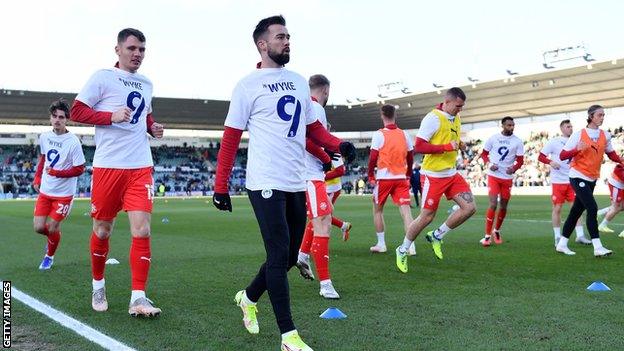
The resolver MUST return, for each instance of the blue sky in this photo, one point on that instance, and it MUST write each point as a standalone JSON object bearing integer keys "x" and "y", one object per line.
{"x": 200, "y": 49}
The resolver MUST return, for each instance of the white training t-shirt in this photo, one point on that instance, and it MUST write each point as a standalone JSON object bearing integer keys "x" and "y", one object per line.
{"x": 503, "y": 151}
{"x": 274, "y": 105}
{"x": 120, "y": 145}
{"x": 61, "y": 152}
{"x": 314, "y": 166}
{"x": 377, "y": 143}
{"x": 552, "y": 149}
{"x": 573, "y": 141}
{"x": 428, "y": 127}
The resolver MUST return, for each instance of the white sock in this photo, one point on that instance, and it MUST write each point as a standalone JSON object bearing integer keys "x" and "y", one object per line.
{"x": 98, "y": 284}
{"x": 406, "y": 245}
{"x": 603, "y": 211}
{"x": 326, "y": 281}
{"x": 381, "y": 241}
{"x": 597, "y": 243}
{"x": 580, "y": 232}
{"x": 441, "y": 231}
{"x": 604, "y": 222}
{"x": 344, "y": 226}
{"x": 50, "y": 257}
{"x": 563, "y": 242}
{"x": 246, "y": 300}
{"x": 137, "y": 294}
{"x": 557, "y": 231}
{"x": 287, "y": 334}
{"x": 303, "y": 256}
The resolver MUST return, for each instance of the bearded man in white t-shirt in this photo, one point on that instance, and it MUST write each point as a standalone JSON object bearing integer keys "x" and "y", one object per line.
{"x": 274, "y": 105}
{"x": 118, "y": 101}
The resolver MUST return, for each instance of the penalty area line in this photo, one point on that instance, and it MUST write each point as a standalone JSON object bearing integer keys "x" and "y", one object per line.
{"x": 68, "y": 322}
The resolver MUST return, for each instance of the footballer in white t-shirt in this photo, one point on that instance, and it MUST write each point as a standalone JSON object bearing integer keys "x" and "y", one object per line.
{"x": 118, "y": 101}
{"x": 61, "y": 161}
{"x": 560, "y": 181}
{"x": 504, "y": 154}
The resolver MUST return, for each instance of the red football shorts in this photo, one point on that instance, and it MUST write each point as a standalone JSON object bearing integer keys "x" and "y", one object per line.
{"x": 562, "y": 193}
{"x": 397, "y": 188}
{"x": 617, "y": 194}
{"x": 433, "y": 188}
{"x": 499, "y": 186}
{"x": 317, "y": 201}
{"x": 113, "y": 190}
{"x": 57, "y": 208}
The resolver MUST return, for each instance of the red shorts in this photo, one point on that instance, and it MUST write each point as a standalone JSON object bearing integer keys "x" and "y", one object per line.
{"x": 433, "y": 188}
{"x": 317, "y": 201}
{"x": 57, "y": 208}
{"x": 617, "y": 194}
{"x": 397, "y": 188}
{"x": 499, "y": 186}
{"x": 113, "y": 190}
{"x": 562, "y": 193}
{"x": 334, "y": 196}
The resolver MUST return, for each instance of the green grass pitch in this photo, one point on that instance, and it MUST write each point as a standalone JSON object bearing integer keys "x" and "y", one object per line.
{"x": 516, "y": 296}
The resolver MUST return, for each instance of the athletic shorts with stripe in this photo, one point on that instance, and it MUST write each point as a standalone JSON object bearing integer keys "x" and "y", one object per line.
{"x": 57, "y": 208}
{"x": 113, "y": 190}
{"x": 433, "y": 188}
{"x": 317, "y": 200}
{"x": 397, "y": 188}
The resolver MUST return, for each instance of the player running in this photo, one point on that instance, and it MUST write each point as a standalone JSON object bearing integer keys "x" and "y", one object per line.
{"x": 586, "y": 148}
{"x": 560, "y": 181}
{"x": 274, "y": 105}
{"x": 504, "y": 152}
{"x": 439, "y": 139}
{"x": 392, "y": 155}
{"x": 118, "y": 101}
{"x": 62, "y": 157}
{"x": 616, "y": 192}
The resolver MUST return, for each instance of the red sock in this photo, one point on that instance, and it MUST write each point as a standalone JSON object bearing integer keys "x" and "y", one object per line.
{"x": 320, "y": 252}
{"x": 53, "y": 241}
{"x": 140, "y": 259}
{"x": 500, "y": 218}
{"x": 337, "y": 222}
{"x": 99, "y": 251}
{"x": 308, "y": 236}
{"x": 489, "y": 220}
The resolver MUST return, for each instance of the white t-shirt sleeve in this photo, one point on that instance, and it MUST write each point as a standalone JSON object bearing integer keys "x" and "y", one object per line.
{"x": 520, "y": 148}
{"x": 488, "y": 144}
{"x": 572, "y": 141}
{"x": 91, "y": 93}
{"x": 609, "y": 146}
{"x": 548, "y": 148}
{"x": 308, "y": 109}
{"x": 240, "y": 108}
{"x": 428, "y": 127}
{"x": 410, "y": 143}
{"x": 40, "y": 144}
{"x": 78, "y": 158}
{"x": 377, "y": 141}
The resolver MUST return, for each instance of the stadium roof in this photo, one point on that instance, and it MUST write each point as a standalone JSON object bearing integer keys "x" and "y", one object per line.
{"x": 557, "y": 91}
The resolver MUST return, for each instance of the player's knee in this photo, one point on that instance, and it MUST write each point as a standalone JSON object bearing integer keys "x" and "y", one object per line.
{"x": 39, "y": 228}
{"x": 53, "y": 226}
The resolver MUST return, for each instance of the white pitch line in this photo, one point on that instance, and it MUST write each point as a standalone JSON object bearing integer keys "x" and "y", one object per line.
{"x": 80, "y": 328}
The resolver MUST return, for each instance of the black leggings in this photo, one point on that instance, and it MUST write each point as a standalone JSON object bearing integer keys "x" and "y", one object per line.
{"x": 584, "y": 201}
{"x": 282, "y": 219}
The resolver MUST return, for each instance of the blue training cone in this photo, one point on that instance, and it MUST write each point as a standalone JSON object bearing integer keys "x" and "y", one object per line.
{"x": 333, "y": 313}
{"x": 165, "y": 220}
{"x": 598, "y": 286}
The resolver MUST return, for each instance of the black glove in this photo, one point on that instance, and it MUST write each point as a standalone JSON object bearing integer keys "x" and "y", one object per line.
{"x": 222, "y": 201}
{"x": 327, "y": 166}
{"x": 335, "y": 156}
{"x": 348, "y": 151}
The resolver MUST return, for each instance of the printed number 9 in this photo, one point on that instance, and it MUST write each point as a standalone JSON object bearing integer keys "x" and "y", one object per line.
{"x": 130, "y": 103}
{"x": 281, "y": 112}
{"x": 53, "y": 156}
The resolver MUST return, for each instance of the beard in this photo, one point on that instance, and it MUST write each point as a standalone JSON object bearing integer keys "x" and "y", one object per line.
{"x": 279, "y": 58}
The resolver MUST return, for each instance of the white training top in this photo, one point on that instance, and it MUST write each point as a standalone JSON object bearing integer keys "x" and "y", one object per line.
{"x": 120, "y": 145}
{"x": 314, "y": 166}
{"x": 573, "y": 141}
{"x": 428, "y": 127}
{"x": 274, "y": 105}
{"x": 377, "y": 143}
{"x": 61, "y": 152}
{"x": 552, "y": 149}
{"x": 502, "y": 152}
